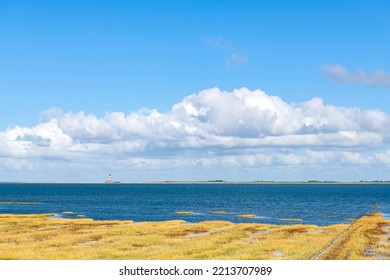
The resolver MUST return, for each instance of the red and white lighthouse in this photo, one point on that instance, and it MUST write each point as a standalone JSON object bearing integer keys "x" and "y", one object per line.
{"x": 109, "y": 178}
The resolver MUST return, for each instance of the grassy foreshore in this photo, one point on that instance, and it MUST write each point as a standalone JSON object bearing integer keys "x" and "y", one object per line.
{"x": 44, "y": 237}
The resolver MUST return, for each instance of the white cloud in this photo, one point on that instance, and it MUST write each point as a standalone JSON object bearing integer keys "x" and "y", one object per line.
{"x": 338, "y": 73}
{"x": 237, "y": 59}
{"x": 212, "y": 129}
{"x": 383, "y": 157}
{"x": 218, "y": 42}
{"x": 234, "y": 57}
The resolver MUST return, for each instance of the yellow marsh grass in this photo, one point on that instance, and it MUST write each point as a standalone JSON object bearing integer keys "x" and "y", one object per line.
{"x": 290, "y": 220}
{"x": 367, "y": 238}
{"x": 247, "y": 216}
{"x": 184, "y": 212}
{"x": 43, "y": 237}
{"x": 16, "y": 202}
{"x": 220, "y": 213}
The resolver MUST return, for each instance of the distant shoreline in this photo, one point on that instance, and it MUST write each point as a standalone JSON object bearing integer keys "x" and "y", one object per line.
{"x": 212, "y": 182}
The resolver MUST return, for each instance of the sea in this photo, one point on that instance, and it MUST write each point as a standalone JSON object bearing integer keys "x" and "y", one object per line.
{"x": 320, "y": 204}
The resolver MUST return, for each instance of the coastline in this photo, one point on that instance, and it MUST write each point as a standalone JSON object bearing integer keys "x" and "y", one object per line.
{"x": 212, "y": 182}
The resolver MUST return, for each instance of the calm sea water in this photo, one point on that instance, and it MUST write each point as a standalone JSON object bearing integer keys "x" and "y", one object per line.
{"x": 314, "y": 204}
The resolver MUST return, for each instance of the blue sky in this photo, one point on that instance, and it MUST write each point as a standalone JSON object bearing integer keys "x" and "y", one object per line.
{"x": 102, "y": 57}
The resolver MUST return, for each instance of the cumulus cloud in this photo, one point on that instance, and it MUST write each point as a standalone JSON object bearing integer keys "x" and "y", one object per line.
{"x": 338, "y": 73}
{"x": 213, "y": 128}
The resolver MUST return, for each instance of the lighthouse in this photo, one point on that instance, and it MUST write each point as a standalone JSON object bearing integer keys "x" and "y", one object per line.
{"x": 109, "y": 180}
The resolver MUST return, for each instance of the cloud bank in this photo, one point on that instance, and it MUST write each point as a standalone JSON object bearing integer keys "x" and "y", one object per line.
{"x": 242, "y": 129}
{"x": 338, "y": 73}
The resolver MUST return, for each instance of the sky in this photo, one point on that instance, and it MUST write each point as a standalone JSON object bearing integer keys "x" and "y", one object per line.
{"x": 194, "y": 90}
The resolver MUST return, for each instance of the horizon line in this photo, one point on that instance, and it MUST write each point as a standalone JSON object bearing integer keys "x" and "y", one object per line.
{"x": 259, "y": 182}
